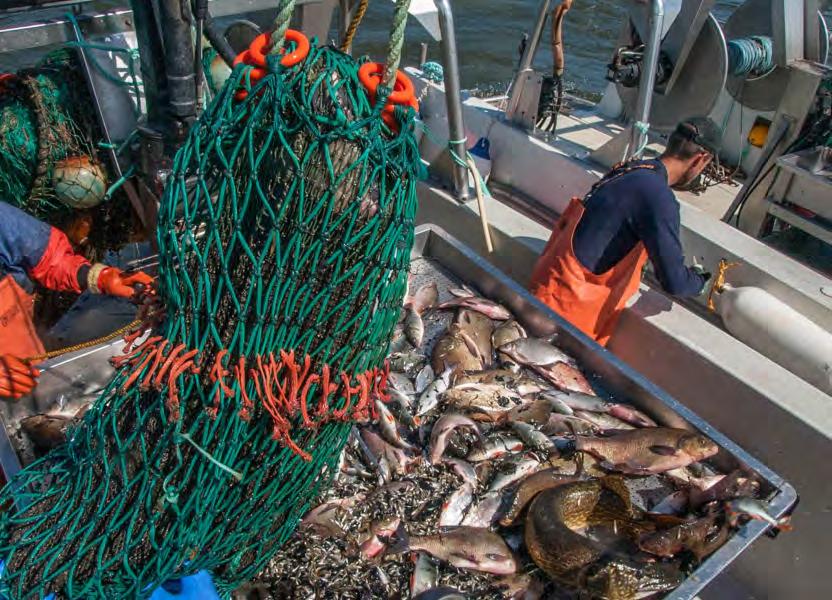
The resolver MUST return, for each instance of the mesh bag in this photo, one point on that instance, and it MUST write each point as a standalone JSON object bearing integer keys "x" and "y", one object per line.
{"x": 45, "y": 123}
{"x": 284, "y": 237}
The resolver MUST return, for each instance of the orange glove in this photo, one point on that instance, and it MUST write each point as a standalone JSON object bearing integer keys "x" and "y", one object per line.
{"x": 115, "y": 282}
{"x": 16, "y": 377}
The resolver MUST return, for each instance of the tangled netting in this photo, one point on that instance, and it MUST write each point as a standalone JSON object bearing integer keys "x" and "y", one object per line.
{"x": 284, "y": 236}
{"x": 45, "y": 118}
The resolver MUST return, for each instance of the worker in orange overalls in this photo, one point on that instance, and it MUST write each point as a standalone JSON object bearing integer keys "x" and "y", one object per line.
{"x": 593, "y": 261}
{"x": 31, "y": 250}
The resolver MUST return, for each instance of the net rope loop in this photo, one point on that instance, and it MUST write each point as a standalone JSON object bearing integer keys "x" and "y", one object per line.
{"x": 260, "y": 60}
{"x": 402, "y": 93}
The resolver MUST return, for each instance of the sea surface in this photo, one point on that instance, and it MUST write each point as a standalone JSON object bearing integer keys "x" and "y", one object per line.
{"x": 489, "y": 33}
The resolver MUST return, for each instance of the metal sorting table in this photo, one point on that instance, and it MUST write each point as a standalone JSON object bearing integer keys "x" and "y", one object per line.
{"x": 70, "y": 381}
{"x": 436, "y": 251}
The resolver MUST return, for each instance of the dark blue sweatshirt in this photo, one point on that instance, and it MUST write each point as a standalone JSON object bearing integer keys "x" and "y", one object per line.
{"x": 637, "y": 206}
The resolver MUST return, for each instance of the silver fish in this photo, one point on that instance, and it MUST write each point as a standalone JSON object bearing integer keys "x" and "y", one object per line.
{"x": 396, "y": 458}
{"x": 590, "y": 403}
{"x": 466, "y": 548}
{"x": 533, "y": 438}
{"x": 497, "y": 445}
{"x": 425, "y": 574}
{"x": 402, "y": 383}
{"x": 423, "y": 378}
{"x": 512, "y": 470}
{"x": 534, "y": 352}
{"x": 603, "y": 421}
{"x": 430, "y": 397}
{"x": 756, "y": 510}
{"x": 453, "y": 509}
{"x": 672, "y": 504}
{"x": 442, "y": 429}
{"x": 407, "y": 362}
{"x": 559, "y": 424}
{"x": 487, "y": 307}
{"x": 463, "y": 291}
{"x": 389, "y": 426}
{"x": 401, "y": 408}
{"x": 441, "y": 593}
{"x": 414, "y": 327}
{"x": 485, "y": 512}
{"x": 464, "y": 469}
{"x": 555, "y": 400}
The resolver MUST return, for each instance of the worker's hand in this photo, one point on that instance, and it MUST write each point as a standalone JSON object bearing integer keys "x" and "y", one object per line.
{"x": 115, "y": 282}
{"x": 16, "y": 377}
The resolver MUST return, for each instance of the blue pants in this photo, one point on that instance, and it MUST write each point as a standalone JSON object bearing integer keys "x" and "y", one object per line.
{"x": 194, "y": 587}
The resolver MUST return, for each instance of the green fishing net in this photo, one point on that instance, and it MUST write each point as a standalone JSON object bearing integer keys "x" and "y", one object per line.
{"x": 284, "y": 240}
{"x": 45, "y": 120}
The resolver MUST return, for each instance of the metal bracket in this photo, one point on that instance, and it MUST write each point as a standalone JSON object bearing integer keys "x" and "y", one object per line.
{"x": 682, "y": 36}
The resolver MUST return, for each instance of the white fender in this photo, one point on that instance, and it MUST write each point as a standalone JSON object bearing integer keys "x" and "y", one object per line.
{"x": 779, "y": 332}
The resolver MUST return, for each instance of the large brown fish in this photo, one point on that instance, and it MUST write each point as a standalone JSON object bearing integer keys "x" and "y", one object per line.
{"x": 483, "y": 402}
{"x": 736, "y": 484}
{"x": 531, "y": 486}
{"x": 456, "y": 349}
{"x": 47, "y": 431}
{"x": 648, "y": 451}
{"x": 700, "y": 536}
{"x": 507, "y": 331}
{"x": 553, "y": 539}
{"x": 478, "y": 328}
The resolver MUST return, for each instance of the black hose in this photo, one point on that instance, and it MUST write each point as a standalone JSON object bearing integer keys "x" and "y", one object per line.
{"x": 216, "y": 36}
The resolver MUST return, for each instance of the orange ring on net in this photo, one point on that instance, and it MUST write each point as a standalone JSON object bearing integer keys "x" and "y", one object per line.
{"x": 258, "y": 48}
{"x": 370, "y": 75}
{"x": 255, "y": 73}
{"x": 388, "y": 115}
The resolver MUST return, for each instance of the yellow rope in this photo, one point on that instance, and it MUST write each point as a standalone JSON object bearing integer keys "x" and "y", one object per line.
{"x": 354, "y": 23}
{"x": 719, "y": 281}
{"x": 84, "y": 345}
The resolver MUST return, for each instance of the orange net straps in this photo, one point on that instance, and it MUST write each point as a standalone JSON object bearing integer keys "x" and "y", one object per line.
{"x": 286, "y": 388}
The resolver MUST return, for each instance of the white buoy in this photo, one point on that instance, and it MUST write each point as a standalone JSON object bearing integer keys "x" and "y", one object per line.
{"x": 777, "y": 331}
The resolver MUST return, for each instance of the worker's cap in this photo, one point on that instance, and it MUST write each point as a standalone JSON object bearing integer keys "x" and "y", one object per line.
{"x": 702, "y": 131}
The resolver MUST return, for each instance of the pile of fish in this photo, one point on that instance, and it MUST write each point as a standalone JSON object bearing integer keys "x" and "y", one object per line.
{"x": 495, "y": 471}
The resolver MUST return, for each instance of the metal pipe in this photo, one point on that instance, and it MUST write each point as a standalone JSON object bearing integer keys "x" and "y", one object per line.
{"x": 344, "y": 18}
{"x": 453, "y": 98}
{"x": 179, "y": 58}
{"x": 648, "y": 80}
{"x": 528, "y": 58}
{"x": 127, "y": 186}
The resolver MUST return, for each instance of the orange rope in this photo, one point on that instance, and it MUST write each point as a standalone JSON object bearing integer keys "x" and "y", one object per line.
{"x": 282, "y": 386}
